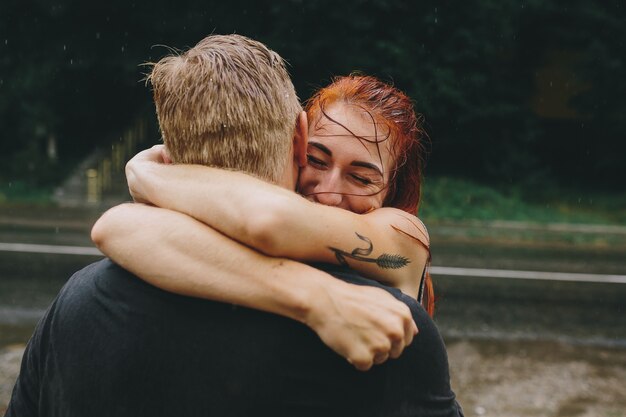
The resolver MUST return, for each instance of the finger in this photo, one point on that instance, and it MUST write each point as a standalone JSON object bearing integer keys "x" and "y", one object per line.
{"x": 380, "y": 358}
{"x": 410, "y": 331}
{"x": 362, "y": 365}
{"x": 155, "y": 154}
{"x": 365, "y": 366}
{"x": 165, "y": 156}
{"x": 363, "y": 358}
{"x": 360, "y": 357}
{"x": 396, "y": 349}
{"x": 409, "y": 338}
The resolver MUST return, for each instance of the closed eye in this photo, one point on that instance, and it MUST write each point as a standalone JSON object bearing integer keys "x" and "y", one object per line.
{"x": 315, "y": 161}
{"x": 362, "y": 180}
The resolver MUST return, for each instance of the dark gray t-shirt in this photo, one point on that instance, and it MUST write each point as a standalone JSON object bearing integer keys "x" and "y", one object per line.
{"x": 112, "y": 345}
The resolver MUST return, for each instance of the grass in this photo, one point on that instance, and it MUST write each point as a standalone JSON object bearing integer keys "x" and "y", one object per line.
{"x": 453, "y": 199}
{"x": 459, "y": 199}
{"x": 19, "y": 193}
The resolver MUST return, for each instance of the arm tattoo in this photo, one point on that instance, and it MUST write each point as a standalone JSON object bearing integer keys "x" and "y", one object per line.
{"x": 385, "y": 261}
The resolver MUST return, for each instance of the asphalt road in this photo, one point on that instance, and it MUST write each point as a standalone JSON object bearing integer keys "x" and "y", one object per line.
{"x": 517, "y": 347}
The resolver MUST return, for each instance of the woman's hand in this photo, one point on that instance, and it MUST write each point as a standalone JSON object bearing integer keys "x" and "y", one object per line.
{"x": 138, "y": 165}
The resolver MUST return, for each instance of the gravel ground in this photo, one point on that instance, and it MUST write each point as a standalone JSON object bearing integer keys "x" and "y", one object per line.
{"x": 499, "y": 378}
{"x": 492, "y": 377}
{"x": 532, "y": 379}
{"x": 10, "y": 358}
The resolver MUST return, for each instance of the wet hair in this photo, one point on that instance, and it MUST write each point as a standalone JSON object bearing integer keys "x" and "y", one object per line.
{"x": 227, "y": 102}
{"x": 393, "y": 111}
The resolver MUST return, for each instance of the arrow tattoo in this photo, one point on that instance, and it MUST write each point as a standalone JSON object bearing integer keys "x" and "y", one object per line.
{"x": 385, "y": 261}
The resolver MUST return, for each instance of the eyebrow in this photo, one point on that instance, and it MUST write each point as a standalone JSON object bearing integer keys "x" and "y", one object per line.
{"x": 367, "y": 165}
{"x": 362, "y": 164}
{"x": 321, "y": 148}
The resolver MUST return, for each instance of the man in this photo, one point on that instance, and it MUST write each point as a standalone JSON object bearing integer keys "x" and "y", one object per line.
{"x": 111, "y": 344}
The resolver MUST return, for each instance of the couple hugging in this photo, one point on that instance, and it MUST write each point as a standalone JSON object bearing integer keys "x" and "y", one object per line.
{"x": 229, "y": 294}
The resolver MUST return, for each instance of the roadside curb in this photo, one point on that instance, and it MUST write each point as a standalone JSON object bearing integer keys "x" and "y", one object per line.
{"x": 531, "y": 226}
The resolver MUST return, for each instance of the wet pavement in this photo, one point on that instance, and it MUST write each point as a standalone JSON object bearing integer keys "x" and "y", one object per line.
{"x": 516, "y": 347}
{"x": 498, "y": 378}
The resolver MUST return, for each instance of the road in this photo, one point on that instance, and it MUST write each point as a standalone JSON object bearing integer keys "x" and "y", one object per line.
{"x": 534, "y": 320}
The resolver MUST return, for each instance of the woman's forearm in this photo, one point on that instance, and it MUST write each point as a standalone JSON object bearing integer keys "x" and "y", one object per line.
{"x": 280, "y": 223}
{"x": 238, "y": 205}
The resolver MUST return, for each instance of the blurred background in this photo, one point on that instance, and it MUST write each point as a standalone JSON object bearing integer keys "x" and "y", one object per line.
{"x": 525, "y": 188}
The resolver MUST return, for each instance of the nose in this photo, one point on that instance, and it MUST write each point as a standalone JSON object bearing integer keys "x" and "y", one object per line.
{"x": 328, "y": 189}
{"x": 328, "y": 198}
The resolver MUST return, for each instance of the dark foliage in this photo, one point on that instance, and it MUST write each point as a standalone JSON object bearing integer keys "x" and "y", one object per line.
{"x": 71, "y": 70}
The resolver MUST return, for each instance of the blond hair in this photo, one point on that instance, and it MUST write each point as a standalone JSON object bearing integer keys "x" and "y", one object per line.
{"x": 227, "y": 102}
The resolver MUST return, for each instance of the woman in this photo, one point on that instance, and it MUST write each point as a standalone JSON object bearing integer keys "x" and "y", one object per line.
{"x": 364, "y": 167}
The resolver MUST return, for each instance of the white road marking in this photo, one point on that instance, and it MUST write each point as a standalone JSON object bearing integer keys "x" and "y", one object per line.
{"x": 538, "y": 275}
{"x": 435, "y": 270}
{"x": 50, "y": 249}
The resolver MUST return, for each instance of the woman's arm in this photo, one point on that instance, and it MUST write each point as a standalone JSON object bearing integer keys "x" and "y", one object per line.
{"x": 179, "y": 254}
{"x": 279, "y": 222}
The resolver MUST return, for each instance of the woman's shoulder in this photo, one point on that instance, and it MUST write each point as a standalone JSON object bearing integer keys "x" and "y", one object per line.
{"x": 402, "y": 222}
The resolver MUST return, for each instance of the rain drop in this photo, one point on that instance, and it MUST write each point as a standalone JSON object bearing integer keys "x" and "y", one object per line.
{"x": 6, "y": 41}
{"x": 97, "y": 35}
{"x": 71, "y": 62}
{"x": 65, "y": 47}
{"x": 122, "y": 49}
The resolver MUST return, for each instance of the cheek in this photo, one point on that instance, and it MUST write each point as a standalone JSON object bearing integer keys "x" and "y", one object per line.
{"x": 306, "y": 179}
{"x": 363, "y": 204}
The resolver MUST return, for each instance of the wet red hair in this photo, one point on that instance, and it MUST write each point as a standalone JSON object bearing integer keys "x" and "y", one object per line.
{"x": 393, "y": 109}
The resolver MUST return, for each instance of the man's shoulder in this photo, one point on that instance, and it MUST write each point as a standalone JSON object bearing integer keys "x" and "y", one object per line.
{"x": 92, "y": 279}
{"x": 352, "y": 277}
{"x": 107, "y": 277}
{"x": 89, "y": 273}
{"x": 418, "y": 382}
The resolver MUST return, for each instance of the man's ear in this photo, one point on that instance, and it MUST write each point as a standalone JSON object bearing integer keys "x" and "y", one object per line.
{"x": 165, "y": 155}
{"x": 301, "y": 140}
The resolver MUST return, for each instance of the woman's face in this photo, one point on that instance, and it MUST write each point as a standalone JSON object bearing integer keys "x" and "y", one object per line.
{"x": 342, "y": 170}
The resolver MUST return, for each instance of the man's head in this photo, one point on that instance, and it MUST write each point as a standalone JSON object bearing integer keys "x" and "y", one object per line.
{"x": 229, "y": 102}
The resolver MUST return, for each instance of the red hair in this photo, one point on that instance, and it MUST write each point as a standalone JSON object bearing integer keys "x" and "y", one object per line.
{"x": 392, "y": 108}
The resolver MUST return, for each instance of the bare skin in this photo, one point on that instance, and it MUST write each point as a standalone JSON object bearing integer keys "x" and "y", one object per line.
{"x": 365, "y": 325}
